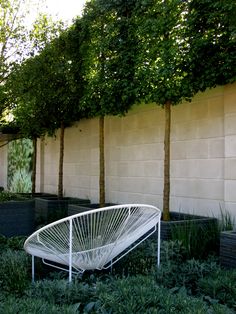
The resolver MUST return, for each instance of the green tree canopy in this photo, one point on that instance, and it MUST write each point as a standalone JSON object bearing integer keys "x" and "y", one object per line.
{"x": 211, "y": 32}
{"x": 110, "y": 56}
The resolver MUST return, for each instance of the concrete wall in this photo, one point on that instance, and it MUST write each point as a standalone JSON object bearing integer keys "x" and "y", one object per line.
{"x": 203, "y": 156}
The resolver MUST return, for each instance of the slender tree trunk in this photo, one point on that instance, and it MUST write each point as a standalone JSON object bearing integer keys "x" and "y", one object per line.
{"x": 166, "y": 192}
{"x": 101, "y": 163}
{"x": 61, "y": 157}
{"x": 34, "y": 161}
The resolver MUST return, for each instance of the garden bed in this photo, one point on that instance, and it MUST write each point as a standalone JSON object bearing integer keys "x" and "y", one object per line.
{"x": 228, "y": 249}
{"x": 135, "y": 285}
{"x": 181, "y": 222}
{"x": 48, "y": 209}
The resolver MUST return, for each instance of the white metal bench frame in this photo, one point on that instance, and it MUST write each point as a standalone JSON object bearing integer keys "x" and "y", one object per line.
{"x": 95, "y": 239}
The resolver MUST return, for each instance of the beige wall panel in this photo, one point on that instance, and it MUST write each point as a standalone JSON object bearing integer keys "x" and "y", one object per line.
{"x": 208, "y": 128}
{"x": 216, "y": 148}
{"x": 230, "y": 188}
{"x": 197, "y": 149}
{"x": 230, "y": 146}
{"x": 230, "y": 169}
{"x": 230, "y": 125}
{"x": 208, "y": 189}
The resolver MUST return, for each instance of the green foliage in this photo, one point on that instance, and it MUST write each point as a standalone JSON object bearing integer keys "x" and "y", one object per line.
{"x": 19, "y": 165}
{"x": 21, "y": 182}
{"x": 220, "y": 287}
{"x": 178, "y": 286}
{"x": 24, "y": 305}
{"x": 199, "y": 240}
{"x": 226, "y": 221}
{"x": 13, "y": 243}
{"x": 14, "y": 266}
{"x": 18, "y": 40}
{"x": 109, "y": 61}
{"x": 178, "y": 271}
{"x": 6, "y": 196}
{"x": 141, "y": 260}
{"x": 175, "y": 38}
{"x": 61, "y": 292}
{"x": 12, "y": 33}
{"x": 43, "y": 91}
{"x": 142, "y": 295}
{"x": 43, "y": 31}
{"x": 16, "y": 243}
{"x": 19, "y": 86}
{"x": 163, "y": 51}
{"x": 212, "y": 40}
{"x": 3, "y": 242}
{"x": 172, "y": 252}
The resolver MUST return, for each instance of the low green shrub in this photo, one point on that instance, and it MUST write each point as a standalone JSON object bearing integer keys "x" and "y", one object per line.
{"x": 179, "y": 285}
{"x": 12, "y": 305}
{"x": 220, "y": 287}
{"x": 61, "y": 292}
{"x": 16, "y": 243}
{"x": 173, "y": 252}
{"x": 14, "y": 271}
{"x": 143, "y": 259}
{"x": 186, "y": 274}
{"x": 178, "y": 271}
{"x": 141, "y": 294}
{"x": 139, "y": 261}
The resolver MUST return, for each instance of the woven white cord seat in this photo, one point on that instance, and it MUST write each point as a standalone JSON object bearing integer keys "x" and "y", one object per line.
{"x": 94, "y": 239}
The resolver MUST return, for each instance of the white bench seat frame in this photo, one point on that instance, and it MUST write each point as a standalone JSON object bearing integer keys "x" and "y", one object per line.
{"x": 94, "y": 239}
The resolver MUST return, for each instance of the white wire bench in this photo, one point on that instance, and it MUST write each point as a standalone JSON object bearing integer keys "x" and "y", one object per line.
{"x": 94, "y": 239}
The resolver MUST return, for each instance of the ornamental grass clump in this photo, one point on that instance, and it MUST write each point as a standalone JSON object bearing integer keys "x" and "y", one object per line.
{"x": 199, "y": 240}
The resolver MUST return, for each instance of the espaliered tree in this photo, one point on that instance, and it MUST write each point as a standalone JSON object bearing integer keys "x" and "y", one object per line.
{"x": 184, "y": 47}
{"x": 109, "y": 66}
{"x": 47, "y": 97}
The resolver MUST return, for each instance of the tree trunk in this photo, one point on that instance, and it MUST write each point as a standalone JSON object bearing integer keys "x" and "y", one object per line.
{"x": 34, "y": 161}
{"x": 166, "y": 191}
{"x": 61, "y": 157}
{"x": 101, "y": 163}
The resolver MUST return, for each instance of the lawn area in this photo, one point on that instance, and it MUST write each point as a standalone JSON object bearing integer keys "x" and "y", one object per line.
{"x": 135, "y": 285}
